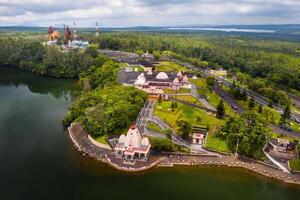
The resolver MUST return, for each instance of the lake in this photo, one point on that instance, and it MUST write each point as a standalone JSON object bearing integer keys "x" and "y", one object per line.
{"x": 225, "y": 30}
{"x": 38, "y": 161}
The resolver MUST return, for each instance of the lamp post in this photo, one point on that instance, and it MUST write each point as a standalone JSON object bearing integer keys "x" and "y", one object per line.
{"x": 237, "y": 147}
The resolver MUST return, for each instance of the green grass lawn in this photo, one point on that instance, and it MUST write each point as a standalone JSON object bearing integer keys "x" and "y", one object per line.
{"x": 152, "y": 126}
{"x": 213, "y": 98}
{"x": 191, "y": 114}
{"x": 190, "y": 99}
{"x": 181, "y": 91}
{"x": 295, "y": 109}
{"x": 102, "y": 139}
{"x": 276, "y": 135}
{"x": 187, "y": 113}
{"x": 272, "y": 117}
{"x": 167, "y": 66}
{"x": 295, "y": 164}
{"x": 138, "y": 68}
{"x": 214, "y": 143}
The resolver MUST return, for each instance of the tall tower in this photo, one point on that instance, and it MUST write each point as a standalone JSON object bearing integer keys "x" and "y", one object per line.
{"x": 97, "y": 30}
{"x": 75, "y": 34}
{"x": 67, "y": 34}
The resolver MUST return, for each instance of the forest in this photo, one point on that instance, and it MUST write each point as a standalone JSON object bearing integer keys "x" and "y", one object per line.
{"x": 266, "y": 63}
{"x": 263, "y": 66}
{"x": 105, "y": 107}
{"x": 27, "y": 53}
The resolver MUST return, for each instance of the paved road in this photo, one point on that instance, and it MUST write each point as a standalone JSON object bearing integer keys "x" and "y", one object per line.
{"x": 228, "y": 99}
{"x": 239, "y": 109}
{"x": 259, "y": 99}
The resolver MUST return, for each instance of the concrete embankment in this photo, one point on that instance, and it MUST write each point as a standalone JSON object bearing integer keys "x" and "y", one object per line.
{"x": 84, "y": 144}
{"x": 104, "y": 153}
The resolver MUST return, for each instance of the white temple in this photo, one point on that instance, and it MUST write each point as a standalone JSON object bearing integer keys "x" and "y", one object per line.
{"x": 133, "y": 146}
{"x": 154, "y": 83}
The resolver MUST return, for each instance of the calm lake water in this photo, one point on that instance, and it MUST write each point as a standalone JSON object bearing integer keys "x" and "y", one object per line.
{"x": 38, "y": 162}
{"x": 225, "y": 30}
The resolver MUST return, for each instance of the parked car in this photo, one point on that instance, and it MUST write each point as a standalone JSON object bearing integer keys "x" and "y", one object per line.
{"x": 234, "y": 107}
{"x": 286, "y": 128}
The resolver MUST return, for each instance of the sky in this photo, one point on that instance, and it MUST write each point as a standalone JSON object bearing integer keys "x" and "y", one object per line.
{"x": 127, "y": 13}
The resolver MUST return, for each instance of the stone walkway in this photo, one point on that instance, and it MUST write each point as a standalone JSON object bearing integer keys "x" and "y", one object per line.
{"x": 231, "y": 161}
{"x": 81, "y": 141}
{"x": 195, "y": 94}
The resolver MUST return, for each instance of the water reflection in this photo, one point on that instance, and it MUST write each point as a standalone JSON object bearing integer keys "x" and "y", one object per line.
{"x": 58, "y": 88}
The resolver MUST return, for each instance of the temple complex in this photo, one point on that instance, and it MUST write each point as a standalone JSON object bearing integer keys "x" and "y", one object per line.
{"x": 154, "y": 83}
{"x": 133, "y": 146}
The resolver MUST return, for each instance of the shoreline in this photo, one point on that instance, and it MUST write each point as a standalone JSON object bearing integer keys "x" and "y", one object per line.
{"x": 82, "y": 143}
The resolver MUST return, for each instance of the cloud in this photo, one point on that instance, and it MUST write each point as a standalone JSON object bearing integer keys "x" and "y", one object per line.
{"x": 115, "y": 13}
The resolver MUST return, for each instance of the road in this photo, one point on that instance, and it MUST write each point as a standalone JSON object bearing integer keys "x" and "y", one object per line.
{"x": 228, "y": 99}
{"x": 239, "y": 109}
{"x": 259, "y": 99}
{"x": 202, "y": 99}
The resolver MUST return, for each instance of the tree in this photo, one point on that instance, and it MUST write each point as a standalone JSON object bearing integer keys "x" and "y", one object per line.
{"x": 220, "y": 109}
{"x": 210, "y": 81}
{"x": 251, "y": 104}
{"x": 260, "y": 109}
{"x": 168, "y": 133}
{"x": 286, "y": 115}
{"x": 250, "y": 130}
{"x": 159, "y": 99}
{"x": 268, "y": 114}
{"x": 270, "y": 104}
{"x": 162, "y": 144}
{"x": 156, "y": 55}
{"x": 244, "y": 95}
{"x": 184, "y": 128}
{"x": 139, "y": 52}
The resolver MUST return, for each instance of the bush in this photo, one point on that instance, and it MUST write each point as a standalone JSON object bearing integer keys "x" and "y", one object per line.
{"x": 162, "y": 144}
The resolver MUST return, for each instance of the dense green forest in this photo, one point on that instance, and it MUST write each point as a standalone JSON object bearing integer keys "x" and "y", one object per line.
{"x": 262, "y": 65}
{"x": 272, "y": 63}
{"x": 27, "y": 53}
{"x": 105, "y": 107}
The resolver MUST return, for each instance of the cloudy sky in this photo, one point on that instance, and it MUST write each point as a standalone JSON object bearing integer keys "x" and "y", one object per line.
{"x": 121, "y": 13}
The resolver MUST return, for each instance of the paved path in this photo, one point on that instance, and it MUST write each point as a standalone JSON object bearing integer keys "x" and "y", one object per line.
{"x": 146, "y": 115}
{"x": 80, "y": 139}
{"x": 232, "y": 161}
{"x": 193, "y": 105}
{"x": 261, "y": 100}
{"x": 202, "y": 99}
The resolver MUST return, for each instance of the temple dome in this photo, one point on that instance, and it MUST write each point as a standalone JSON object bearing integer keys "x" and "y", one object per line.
{"x": 145, "y": 141}
{"x": 162, "y": 76}
{"x": 179, "y": 74}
